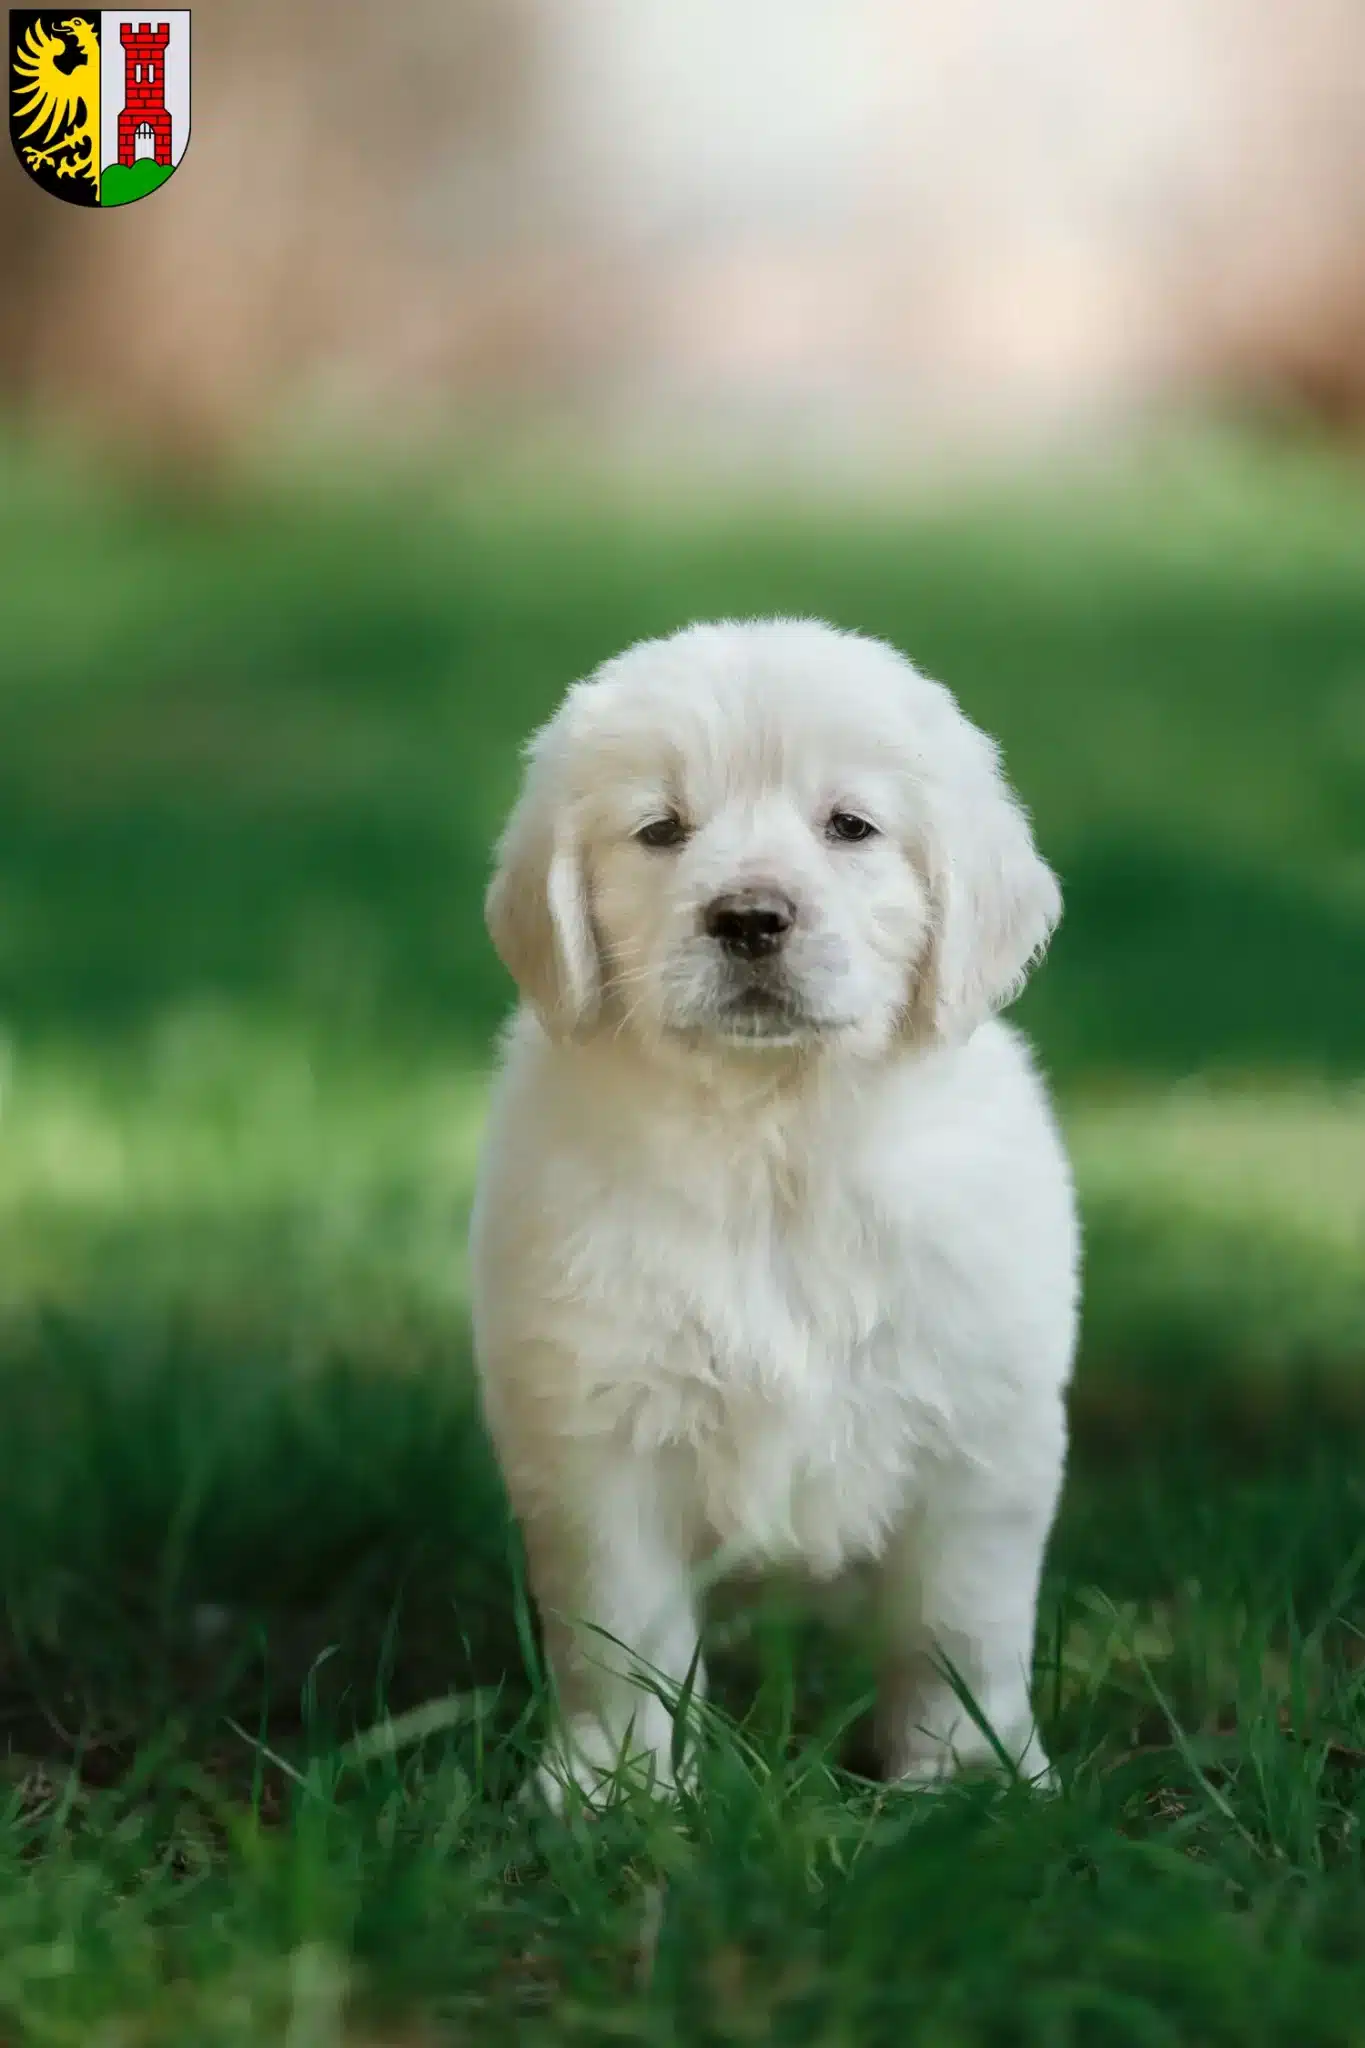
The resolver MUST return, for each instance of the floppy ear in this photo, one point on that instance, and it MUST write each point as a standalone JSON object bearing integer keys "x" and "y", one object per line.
{"x": 537, "y": 904}
{"x": 995, "y": 900}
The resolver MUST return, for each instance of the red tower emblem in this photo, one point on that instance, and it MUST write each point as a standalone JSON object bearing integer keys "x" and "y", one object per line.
{"x": 145, "y": 117}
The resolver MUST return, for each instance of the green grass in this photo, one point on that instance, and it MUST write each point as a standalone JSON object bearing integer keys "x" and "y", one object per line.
{"x": 264, "y": 1704}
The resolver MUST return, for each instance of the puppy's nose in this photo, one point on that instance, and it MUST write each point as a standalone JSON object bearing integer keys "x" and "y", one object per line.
{"x": 749, "y": 922}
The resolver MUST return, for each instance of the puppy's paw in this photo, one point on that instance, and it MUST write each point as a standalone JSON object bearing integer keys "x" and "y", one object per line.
{"x": 924, "y": 1763}
{"x": 584, "y": 1768}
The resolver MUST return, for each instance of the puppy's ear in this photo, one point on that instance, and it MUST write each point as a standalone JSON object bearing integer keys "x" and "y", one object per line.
{"x": 995, "y": 900}
{"x": 537, "y": 903}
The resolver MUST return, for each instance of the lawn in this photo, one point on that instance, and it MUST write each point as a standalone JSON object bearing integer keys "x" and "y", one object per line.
{"x": 264, "y": 1704}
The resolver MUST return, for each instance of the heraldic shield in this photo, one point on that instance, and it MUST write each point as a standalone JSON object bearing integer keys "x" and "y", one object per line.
{"x": 99, "y": 104}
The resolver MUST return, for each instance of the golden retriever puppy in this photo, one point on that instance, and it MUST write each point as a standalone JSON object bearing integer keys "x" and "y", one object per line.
{"x": 774, "y": 1249}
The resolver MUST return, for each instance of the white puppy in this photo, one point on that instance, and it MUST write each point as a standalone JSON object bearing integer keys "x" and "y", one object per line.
{"x": 774, "y": 1246}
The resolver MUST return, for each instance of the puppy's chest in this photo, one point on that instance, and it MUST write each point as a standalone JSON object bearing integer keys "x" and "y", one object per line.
{"x": 763, "y": 1356}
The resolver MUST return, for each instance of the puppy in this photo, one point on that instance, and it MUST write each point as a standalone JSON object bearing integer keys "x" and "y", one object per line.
{"x": 774, "y": 1251}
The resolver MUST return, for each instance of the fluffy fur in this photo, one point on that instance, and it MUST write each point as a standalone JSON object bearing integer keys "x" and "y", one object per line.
{"x": 774, "y": 1246}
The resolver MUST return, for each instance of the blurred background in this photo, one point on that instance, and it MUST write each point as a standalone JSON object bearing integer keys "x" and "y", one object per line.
{"x": 471, "y": 341}
{"x": 815, "y": 234}
{"x": 822, "y": 236}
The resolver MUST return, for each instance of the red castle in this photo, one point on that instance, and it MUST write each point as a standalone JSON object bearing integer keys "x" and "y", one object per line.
{"x": 144, "y": 90}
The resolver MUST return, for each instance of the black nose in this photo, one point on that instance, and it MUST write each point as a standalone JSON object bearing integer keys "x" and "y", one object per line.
{"x": 750, "y": 922}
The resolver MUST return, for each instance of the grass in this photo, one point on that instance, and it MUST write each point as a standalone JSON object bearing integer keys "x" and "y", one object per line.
{"x": 264, "y": 1704}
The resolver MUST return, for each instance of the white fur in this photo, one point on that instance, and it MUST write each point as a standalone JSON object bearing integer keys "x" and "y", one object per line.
{"x": 797, "y": 1287}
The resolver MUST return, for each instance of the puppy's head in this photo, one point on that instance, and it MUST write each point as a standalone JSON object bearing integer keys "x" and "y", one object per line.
{"x": 767, "y": 835}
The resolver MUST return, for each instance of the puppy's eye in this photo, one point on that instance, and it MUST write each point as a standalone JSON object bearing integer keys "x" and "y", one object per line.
{"x": 663, "y": 832}
{"x": 849, "y": 826}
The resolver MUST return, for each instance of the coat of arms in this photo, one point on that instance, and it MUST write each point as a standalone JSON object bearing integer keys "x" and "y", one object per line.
{"x": 99, "y": 104}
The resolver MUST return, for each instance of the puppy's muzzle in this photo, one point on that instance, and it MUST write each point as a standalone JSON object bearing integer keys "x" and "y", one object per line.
{"x": 750, "y": 924}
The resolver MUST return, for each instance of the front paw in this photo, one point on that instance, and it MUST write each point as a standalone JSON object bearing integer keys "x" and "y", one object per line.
{"x": 924, "y": 1761}
{"x": 586, "y": 1768}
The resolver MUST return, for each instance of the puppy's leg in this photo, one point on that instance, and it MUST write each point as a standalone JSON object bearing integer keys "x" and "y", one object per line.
{"x": 958, "y": 1592}
{"x": 612, "y": 1578}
